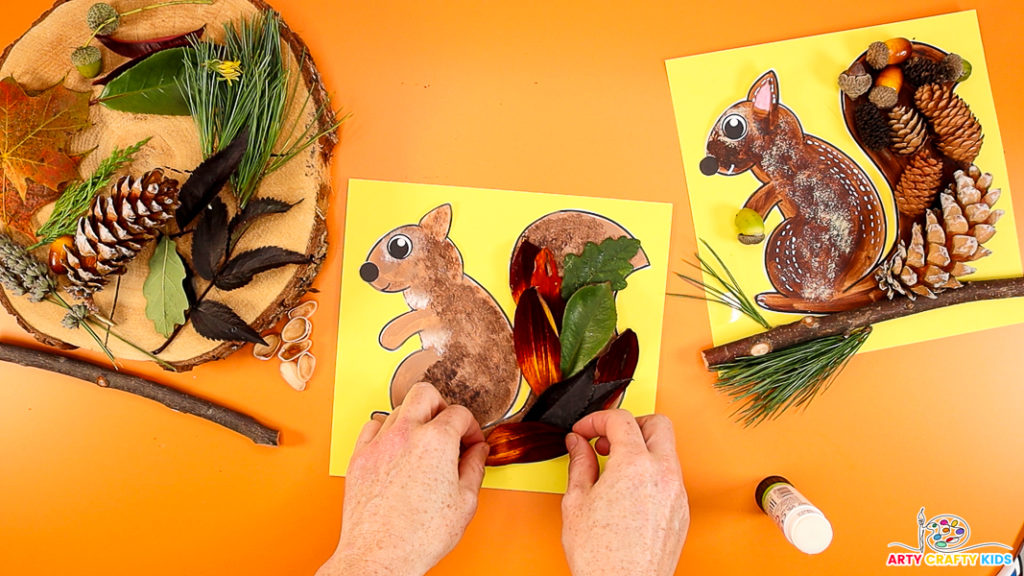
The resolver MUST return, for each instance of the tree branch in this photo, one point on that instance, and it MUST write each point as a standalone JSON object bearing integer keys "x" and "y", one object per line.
{"x": 813, "y": 327}
{"x": 173, "y": 399}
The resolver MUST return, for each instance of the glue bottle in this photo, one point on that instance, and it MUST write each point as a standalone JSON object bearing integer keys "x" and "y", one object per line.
{"x": 803, "y": 524}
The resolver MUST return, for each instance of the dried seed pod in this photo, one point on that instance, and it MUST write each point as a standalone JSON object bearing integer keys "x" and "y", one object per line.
{"x": 872, "y": 126}
{"x": 919, "y": 71}
{"x": 268, "y": 351}
{"x": 892, "y": 51}
{"x": 307, "y": 366}
{"x": 886, "y": 92}
{"x": 908, "y": 130}
{"x": 290, "y": 373}
{"x": 292, "y": 350}
{"x": 296, "y": 330}
{"x": 304, "y": 310}
{"x": 855, "y": 82}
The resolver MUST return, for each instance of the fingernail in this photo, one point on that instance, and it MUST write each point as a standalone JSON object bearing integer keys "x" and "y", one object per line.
{"x": 571, "y": 440}
{"x": 378, "y": 414}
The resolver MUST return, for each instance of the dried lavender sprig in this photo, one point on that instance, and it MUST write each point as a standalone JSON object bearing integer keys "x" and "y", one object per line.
{"x": 21, "y": 273}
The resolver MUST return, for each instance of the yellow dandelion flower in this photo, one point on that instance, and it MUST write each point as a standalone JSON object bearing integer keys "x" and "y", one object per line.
{"x": 229, "y": 70}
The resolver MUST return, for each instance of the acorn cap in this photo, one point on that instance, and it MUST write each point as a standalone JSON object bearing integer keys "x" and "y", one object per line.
{"x": 88, "y": 60}
{"x": 103, "y": 18}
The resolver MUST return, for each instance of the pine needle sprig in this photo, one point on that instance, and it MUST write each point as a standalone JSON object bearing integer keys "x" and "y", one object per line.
{"x": 769, "y": 385}
{"x": 722, "y": 289}
{"x": 260, "y": 97}
{"x": 78, "y": 196}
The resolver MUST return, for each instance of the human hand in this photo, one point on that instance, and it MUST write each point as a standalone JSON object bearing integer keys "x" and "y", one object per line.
{"x": 632, "y": 520}
{"x": 409, "y": 494}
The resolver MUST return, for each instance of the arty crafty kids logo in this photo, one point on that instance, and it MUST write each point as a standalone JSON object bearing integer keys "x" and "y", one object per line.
{"x": 944, "y": 541}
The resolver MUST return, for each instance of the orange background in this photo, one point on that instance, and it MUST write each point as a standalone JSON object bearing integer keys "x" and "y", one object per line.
{"x": 566, "y": 98}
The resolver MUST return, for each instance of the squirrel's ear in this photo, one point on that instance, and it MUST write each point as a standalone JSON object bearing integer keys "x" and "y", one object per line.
{"x": 438, "y": 221}
{"x": 764, "y": 94}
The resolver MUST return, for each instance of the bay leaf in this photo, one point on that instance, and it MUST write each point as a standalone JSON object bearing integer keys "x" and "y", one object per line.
{"x": 588, "y": 325}
{"x": 142, "y": 48}
{"x": 150, "y": 87}
{"x": 217, "y": 321}
{"x": 164, "y": 290}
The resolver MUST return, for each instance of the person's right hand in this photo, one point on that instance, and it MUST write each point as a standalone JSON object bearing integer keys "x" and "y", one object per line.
{"x": 632, "y": 520}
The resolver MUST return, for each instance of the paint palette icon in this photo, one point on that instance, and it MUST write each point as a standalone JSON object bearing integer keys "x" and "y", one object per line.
{"x": 947, "y": 532}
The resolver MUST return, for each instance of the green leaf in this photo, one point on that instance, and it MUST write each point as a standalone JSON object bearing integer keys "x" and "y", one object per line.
{"x": 164, "y": 288}
{"x": 150, "y": 87}
{"x": 587, "y": 327}
{"x": 607, "y": 262}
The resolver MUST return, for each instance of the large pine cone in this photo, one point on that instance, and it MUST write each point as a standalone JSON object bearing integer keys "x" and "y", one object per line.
{"x": 957, "y": 132}
{"x": 116, "y": 229}
{"x": 940, "y": 249}
{"x": 919, "y": 184}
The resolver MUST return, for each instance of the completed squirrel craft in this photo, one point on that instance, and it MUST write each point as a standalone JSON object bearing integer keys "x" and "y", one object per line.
{"x": 829, "y": 252}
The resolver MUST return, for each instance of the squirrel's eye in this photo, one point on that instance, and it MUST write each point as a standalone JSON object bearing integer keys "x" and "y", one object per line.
{"x": 399, "y": 247}
{"x": 734, "y": 127}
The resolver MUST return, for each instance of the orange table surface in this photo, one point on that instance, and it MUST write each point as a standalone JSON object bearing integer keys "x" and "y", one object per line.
{"x": 562, "y": 97}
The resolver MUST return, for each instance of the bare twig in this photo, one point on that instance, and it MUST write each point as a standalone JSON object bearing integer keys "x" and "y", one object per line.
{"x": 812, "y": 327}
{"x": 173, "y": 399}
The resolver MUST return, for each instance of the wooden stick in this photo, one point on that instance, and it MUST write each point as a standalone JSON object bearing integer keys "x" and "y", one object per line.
{"x": 173, "y": 399}
{"x": 813, "y": 327}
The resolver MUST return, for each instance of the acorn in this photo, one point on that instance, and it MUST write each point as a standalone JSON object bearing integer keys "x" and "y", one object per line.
{"x": 56, "y": 256}
{"x": 966, "y": 70}
{"x": 892, "y": 51}
{"x": 88, "y": 60}
{"x": 750, "y": 226}
{"x": 855, "y": 82}
{"x": 103, "y": 18}
{"x": 887, "y": 87}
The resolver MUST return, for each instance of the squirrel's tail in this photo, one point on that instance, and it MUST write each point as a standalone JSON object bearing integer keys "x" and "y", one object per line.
{"x": 924, "y": 141}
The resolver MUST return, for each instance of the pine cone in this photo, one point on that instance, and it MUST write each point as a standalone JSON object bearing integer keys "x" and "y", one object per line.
{"x": 872, "y": 126}
{"x": 908, "y": 130}
{"x": 918, "y": 70}
{"x": 919, "y": 183}
{"x": 957, "y": 132}
{"x": 941, "y": 247}
{"x": 116, "y": 229}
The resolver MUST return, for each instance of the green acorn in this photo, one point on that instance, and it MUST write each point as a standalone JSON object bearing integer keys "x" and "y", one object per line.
{"x": 103, "y": 18}
{"x": 88, "y": 60}
{"x": 967, "y": 68}
{"x": 750, "y": 226}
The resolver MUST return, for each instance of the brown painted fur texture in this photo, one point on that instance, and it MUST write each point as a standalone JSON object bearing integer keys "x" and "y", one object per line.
{"x": 821, "y": 257}
{"x": 467, "y": 351}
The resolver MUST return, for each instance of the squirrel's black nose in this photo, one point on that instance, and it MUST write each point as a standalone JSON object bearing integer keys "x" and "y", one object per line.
{"x": 709, "y": 166}
{"x": 369, "y": 272}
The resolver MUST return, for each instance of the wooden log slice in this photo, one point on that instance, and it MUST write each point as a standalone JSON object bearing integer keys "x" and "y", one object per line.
{"x": 40, "y": 59}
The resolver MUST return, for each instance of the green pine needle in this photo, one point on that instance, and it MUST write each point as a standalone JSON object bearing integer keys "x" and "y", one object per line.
{"x": 261, "y": 100}
{"x": 722, "y": 289}
{"x": 78, "y": 196}
{"x": 768, "y": 385}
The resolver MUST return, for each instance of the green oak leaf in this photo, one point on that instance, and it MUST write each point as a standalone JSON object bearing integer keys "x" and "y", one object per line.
{"x": 605, "y": 262}
{"x": 164, "y": 288}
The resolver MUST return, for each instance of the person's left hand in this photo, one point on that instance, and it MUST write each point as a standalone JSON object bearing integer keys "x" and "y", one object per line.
{"x": 411, "y": 488}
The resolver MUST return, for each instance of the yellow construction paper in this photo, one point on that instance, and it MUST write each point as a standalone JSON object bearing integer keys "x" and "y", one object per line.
{"x": 485, "y": 226}
{"x": 704, "y": 86}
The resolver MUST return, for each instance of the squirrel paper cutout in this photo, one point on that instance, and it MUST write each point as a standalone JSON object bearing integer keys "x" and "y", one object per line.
{"x": 467, "y": 351}
{"x": 821, "y": 258}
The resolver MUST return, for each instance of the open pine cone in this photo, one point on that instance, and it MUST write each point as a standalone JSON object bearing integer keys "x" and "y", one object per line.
{"x": 115, "y": 230}
{"x": 940, "y": 249}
